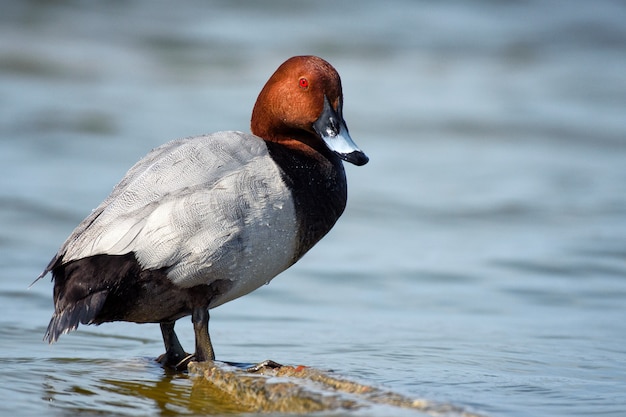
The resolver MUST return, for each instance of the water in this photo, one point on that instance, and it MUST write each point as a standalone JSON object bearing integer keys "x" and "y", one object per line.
{"x": 481, "y": 260}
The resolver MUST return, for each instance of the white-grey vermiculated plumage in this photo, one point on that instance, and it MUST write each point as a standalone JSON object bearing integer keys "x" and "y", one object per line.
{"x": 207, "y": 208}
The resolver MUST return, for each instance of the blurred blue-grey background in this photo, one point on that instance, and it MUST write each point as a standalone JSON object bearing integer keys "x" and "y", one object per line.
{"x": 481, "y": 260}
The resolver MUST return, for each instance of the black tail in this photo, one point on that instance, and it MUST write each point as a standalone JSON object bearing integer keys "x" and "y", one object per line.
{"x": 81, "y": 288}
{"x": 82, "y": 311}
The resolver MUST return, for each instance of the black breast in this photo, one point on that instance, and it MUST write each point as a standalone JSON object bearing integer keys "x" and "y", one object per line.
{"x": 318, "y": 186}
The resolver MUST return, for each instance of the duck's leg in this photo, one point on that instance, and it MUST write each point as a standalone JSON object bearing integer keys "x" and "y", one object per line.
{"x": 174, "y": 356}
{"x": 204, "y": 348}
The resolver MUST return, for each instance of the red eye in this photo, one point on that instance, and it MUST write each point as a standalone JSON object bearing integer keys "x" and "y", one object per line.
{"x": 304, "y": 83}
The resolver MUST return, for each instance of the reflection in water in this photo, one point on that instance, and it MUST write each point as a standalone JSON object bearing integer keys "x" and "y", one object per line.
{"x": 171, "y": 394}
{"x": 101, "y": 387}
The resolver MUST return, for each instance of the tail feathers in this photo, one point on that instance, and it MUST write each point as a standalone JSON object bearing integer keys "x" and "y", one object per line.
{"x": 67, "y": 319}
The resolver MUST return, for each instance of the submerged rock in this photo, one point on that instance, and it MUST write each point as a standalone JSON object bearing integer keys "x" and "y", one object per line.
{"x": 300, "y": 389}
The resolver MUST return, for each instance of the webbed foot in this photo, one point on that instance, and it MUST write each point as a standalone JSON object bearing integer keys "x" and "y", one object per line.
{"x": 174, "y": 361}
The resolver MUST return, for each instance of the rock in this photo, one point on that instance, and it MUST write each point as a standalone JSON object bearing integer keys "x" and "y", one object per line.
{"x": 300, "y": 389}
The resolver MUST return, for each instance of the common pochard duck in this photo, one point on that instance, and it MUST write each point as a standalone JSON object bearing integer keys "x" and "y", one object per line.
{"x": 203, "y": 220}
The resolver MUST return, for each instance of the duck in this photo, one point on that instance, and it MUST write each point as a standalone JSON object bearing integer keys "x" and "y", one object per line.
{"x": 204, "y": 220}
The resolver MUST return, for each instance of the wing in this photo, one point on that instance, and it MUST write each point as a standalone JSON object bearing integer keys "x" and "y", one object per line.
{"x": 194, "y": 206}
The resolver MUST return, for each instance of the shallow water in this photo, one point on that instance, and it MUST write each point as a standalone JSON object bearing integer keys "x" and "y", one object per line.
{"x": 481, "y": 260}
